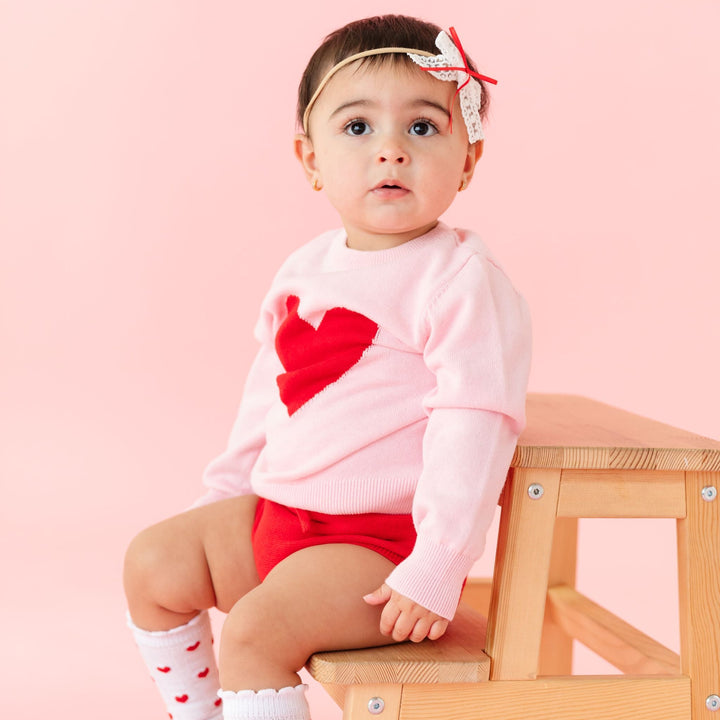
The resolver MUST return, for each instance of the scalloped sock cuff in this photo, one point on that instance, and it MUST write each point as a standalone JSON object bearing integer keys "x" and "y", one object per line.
{"x": 286, "y": 704}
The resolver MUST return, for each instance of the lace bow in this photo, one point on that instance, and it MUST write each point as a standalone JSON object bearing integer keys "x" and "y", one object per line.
{"x": 452, "y": 66}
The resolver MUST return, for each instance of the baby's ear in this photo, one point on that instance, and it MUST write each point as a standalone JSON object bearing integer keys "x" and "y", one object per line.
{"x": 474, "y": 153}
{"x": 479, "y": 146}
{"x": 305, "y": 153}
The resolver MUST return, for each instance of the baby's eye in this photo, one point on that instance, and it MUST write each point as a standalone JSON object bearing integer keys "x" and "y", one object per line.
{"x": 423, "y": 127}
{"x": 357, "y": 127}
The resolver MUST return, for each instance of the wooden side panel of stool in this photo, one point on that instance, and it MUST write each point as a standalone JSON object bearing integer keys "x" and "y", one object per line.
{"x": 357, "y": 699}
{"x": 564, "y": 698}
{"x": 699, "y": 579}
{"x": 522, "y": 565}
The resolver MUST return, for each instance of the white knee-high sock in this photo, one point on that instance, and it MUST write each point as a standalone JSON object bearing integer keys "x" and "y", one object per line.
{"x": 182, "y": 663}
{"x": 286, "y": 704}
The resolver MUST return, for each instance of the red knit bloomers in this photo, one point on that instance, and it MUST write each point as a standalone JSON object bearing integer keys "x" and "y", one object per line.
{"x": 279, "y": 531}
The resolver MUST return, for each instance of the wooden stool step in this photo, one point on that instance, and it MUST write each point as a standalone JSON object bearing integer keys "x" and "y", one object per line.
{"x": 576, "y": 459}
{"x": 457, "y": 657}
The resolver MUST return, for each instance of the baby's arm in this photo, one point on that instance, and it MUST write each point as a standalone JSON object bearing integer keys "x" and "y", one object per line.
{"x": 478, "y": 347}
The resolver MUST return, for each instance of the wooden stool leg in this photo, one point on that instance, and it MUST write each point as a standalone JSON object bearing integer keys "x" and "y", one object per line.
{"x": 699, "y": 581}
{"x": 522, "y": 564}
{"x": 556, "y": 650}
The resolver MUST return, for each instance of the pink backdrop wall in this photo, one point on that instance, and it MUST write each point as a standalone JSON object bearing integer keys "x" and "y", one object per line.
{"x": 148, "y": 192}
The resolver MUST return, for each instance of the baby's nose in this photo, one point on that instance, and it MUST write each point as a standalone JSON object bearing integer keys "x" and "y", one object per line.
{"x": 392, "y": 151}
{"x": 398, "y": 157}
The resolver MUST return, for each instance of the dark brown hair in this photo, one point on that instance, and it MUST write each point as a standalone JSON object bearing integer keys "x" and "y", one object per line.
{"x": 369, "y": 34}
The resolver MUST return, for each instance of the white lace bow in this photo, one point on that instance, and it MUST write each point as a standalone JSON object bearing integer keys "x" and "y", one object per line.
{"x": 470, "y": 94}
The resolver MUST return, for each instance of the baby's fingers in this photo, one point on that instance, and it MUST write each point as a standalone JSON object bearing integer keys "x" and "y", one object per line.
{"x": 421, "y": 629}
{"x": 404, "y": 625}
{"x": 388, "y": 619}
{"x": 438, "y": 629}
{"x": 379, "y": 596}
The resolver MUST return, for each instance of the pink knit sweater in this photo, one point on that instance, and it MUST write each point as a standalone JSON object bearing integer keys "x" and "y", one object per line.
{"x": 390, "y": 381}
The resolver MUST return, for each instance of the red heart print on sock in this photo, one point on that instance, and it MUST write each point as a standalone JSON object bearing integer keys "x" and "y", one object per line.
{"x": 315, "y": 358}
{"x": 218, "y": 702}
{"x": 182, "y": 698}
{"x": 204, "y": 673}
{"x": 193, "y": 647}
{"x": 164, "y": 669}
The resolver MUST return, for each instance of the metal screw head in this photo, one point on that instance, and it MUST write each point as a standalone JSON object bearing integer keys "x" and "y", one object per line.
{"x": 536, "y": 491}
{"x": 713, "y": 703}
{"x": 709, "y": 493}
{"x": 376, "y": 705}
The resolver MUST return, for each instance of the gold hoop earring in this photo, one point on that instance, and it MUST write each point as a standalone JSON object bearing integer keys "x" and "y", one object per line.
{"x": 463, "y": 185}
{"x": 316, "y": 185}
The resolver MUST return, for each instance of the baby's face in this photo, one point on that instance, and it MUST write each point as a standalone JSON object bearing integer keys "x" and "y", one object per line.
{"x": 381, "y": 147}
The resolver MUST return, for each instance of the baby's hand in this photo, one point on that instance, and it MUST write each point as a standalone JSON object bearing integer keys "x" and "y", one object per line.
{"x": 403, "y": 619}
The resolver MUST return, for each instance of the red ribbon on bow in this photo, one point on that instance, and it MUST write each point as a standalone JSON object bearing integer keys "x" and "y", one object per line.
{"x": 466, "y": 69}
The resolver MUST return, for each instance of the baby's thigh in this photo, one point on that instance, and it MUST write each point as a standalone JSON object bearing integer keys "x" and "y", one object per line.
{"x": 311, "y": 601}
{"x": 192, "y": 561}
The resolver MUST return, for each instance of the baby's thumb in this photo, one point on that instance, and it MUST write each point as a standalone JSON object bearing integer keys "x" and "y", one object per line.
{"x": 379, "y": 596}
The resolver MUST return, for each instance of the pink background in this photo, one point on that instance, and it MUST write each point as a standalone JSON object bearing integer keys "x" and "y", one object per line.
{"x": 148, "y": 191}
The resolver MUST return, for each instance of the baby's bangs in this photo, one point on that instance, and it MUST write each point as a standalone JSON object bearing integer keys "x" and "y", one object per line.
{"x": 387, "y": 60}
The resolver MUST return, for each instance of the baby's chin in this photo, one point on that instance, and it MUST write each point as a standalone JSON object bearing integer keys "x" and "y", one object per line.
{"x": 384, "y": 237}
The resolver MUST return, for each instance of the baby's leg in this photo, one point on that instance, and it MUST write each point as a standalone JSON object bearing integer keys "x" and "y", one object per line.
{"x": 174, "y": 571}
{"x": 311, "y": 601}
{"x": 200, "y": 559}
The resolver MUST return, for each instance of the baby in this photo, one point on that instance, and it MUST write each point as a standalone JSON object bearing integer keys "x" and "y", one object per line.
{"x": 380, "y": 415}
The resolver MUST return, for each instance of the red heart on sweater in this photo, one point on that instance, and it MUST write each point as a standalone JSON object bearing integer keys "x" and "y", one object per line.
{"x": 182, "y": 698}
{"x": 315, "y": 358}
{"x": 193, "y": 647}
{"x": 164, "y": 670}
{"x": 204, "y": 673}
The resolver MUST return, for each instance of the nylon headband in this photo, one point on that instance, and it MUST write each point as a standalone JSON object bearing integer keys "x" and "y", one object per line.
{"x": 347, "y": 61}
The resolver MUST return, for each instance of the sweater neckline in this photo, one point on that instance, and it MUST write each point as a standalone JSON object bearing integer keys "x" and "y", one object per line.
{"x": 343, "y": 257}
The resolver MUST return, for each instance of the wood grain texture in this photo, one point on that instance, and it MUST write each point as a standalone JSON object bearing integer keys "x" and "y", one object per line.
{"x": 622, "y": 494}
{"x": 699, "y": 578}
{"x": 522, "y": 565}
{"x": 556, "y": 649}
{"x": 586, "y": 698}
{"x": 568, "y": 431}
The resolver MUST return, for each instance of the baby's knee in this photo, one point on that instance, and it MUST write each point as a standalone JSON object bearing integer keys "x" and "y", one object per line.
{"x": 146, "y": 559}
{"x": 243, "y": 628}
{"x": 255, "y": 633}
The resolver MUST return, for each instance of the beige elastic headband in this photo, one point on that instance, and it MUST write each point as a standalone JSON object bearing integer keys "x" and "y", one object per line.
{"x": 347, "y": 61}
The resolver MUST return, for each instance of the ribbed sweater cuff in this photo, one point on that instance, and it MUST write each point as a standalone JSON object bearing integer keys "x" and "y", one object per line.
{"x": 432, "y": 576}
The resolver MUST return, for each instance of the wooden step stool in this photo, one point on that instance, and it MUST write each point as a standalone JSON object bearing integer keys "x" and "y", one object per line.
{"x": 577, "y": 458}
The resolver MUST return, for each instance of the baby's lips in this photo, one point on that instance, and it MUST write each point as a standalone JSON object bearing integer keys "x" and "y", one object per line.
{"x": 390, "y": 183}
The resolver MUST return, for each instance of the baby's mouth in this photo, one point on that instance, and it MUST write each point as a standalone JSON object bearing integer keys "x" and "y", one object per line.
{"x": 390, "y": 189}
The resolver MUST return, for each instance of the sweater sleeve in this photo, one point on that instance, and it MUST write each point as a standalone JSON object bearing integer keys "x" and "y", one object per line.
{"x": 228, "y": 474}
{"x": 478, "y": 347}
